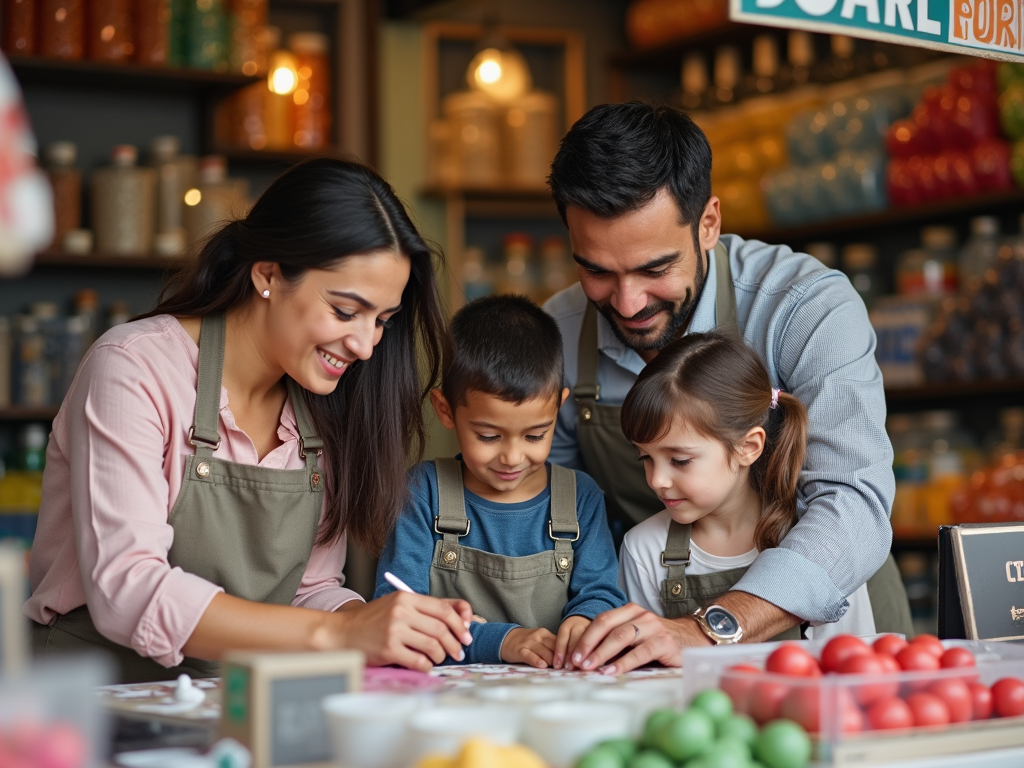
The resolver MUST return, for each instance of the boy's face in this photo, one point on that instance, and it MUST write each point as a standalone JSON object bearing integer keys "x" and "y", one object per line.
{"x": 504, "y": 445}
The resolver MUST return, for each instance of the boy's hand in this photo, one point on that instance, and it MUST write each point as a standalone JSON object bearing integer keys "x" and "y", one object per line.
{"x": 569, "y": 633}
{"x": 528, "y": 646}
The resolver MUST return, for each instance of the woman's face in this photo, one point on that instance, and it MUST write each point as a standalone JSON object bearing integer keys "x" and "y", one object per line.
{"x": 330, "y": 318}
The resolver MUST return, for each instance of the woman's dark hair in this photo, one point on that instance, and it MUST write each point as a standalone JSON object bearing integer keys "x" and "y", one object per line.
{"x": 718, "y": 386}
{"x": 617, "y": 157}
{"x": 504, "y": 346}
{"x": 316, "y": 213}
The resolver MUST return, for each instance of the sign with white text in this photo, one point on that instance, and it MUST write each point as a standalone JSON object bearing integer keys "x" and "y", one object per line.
{"x": 989, "y": 561}
{"x": 990, "y": 28}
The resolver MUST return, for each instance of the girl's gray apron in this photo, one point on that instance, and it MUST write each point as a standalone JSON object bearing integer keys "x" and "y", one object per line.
{"x": 531, "y": 591}
{"x": 245, "y": 528}
{"x": 611, "y": 459}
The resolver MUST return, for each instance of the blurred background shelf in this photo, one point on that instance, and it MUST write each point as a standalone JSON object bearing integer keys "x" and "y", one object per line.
{"x": 105, "y": 261}
{"x": 950, "y": 393}
{"x": 38, "y": 70}
{"x": 28, "y": 413}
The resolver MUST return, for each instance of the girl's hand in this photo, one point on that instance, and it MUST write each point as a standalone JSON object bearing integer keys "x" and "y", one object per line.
{"x": 414, "y": 631}
{"x": 535, "y": 647}
{"x": 569, "y": 633}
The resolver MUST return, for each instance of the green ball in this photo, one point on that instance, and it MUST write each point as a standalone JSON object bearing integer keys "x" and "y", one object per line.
{"x": 783, "y": 744}
{"x": 726, "y": 754}
{"x": 655, "y": 721}
{"x": 625, "y": 747}
{"x": 687, "y": 735}
{"x": 650, "y": 759}
{"x": 738, "y": 728}
{"x": 716, "y": 704}
{"x": 602, "y": 756}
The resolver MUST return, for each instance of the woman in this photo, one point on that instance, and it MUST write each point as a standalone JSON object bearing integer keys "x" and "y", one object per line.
{"x": 212, "y": 456}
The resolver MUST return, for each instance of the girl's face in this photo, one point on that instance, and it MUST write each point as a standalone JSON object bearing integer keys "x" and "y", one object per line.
{"x": 330, "y": 318}
{"x": 695, "y": 475}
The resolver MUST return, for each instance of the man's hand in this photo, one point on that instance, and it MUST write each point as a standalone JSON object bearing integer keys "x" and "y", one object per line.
{"x": 535, "y": 647}
{"x": 569, "y": 633}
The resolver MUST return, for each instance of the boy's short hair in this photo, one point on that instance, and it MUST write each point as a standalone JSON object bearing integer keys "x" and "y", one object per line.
{"x": 505, "y": 346}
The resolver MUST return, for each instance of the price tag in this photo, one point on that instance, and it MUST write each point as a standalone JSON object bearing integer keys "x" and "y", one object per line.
{"x": 990, "y": 573}
{"x": 272, "y": 703}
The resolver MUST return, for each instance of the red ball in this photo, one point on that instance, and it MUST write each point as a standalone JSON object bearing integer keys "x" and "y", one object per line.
{"x": 889, "y": 714}
{"x": 1008, "y": 697}
{"x": 889, "y": 662}
{"x": 916, "y": 658}
{"x": 766, "y": 700}
{"x": 955, "y": 658}
{"x": 928, "y": 709}
{"x": 803, "y": 705}
{"x": 790, "y": 659}
{"x": 737, "y": 683}
{"x": 839, "y": 649}
{"x": 932, "y": 643}
{"x": 957, "y": 696}
{"x": 981, "y": 701}
{"x": 869, "y": 664}
{"x": 890, "y": 644}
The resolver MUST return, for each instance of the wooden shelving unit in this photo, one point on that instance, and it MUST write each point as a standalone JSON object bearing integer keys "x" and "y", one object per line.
{"x": 106, "y": 261}
{"x": 38, "y": 70}
{"x": 28, "y": 413}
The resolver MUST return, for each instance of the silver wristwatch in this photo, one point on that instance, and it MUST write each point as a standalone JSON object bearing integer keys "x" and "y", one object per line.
{"x": 719, "y": 624}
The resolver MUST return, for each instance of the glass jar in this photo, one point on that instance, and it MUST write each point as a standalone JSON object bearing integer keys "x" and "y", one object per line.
{"x": 20, "y": 32}
{"x": 62, "y": 29}
{"x": 171, "y": 184}
{"x": 531, "y": 138}
{"x": 109, "y": 32}
{"x": 311, "y": 99}
{"x": 214, "y": 200}
{"x": 123, "y": 205}
{"x": 152, "y": 32}
{"x": 474, "y": 133}
{"x": 517, "y": 277}
{"x": 66, "y": 181}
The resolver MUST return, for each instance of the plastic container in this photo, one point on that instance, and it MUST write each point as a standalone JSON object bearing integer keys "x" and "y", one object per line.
{"x": 66, "y": 181}
{"x": 20, "y": 27}
{"x": 830, "y": 702}
{"x": 109, "y": 34}
{"x": 311, "y": 98}
{"x": 62, "y": 28}
{"x": 124, "y": 205}
{"x": 153, "y": 32}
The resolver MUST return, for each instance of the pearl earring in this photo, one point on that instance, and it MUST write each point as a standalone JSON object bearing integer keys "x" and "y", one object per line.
{"x": 266, "y": 293}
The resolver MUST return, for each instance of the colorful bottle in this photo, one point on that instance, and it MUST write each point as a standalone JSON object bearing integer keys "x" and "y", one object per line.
{"x": 66, "y": 181}
{"x": 207, "y": 25}
{"x": 311, "y": 113}
{"x": 62, "y": 29}
{"x": 109, "y": 30}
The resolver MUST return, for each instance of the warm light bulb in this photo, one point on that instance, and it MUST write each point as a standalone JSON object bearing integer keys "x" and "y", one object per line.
{"x": 193, "y": 197}
{"x": 282, "y": 81}
{"x": 489, "y": 71}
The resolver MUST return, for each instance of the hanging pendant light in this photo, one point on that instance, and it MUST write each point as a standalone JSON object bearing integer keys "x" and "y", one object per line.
{"x": 500, "y": 71}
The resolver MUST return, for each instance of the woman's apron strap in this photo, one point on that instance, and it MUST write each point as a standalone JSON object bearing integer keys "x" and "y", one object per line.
{"x": 205, "y": 432}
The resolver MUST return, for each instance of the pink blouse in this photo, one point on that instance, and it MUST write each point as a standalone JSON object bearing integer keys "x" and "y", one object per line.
{"x": 114, "y": 466}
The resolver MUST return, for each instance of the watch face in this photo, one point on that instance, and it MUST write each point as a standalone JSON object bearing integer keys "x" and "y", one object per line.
{"x": 721, "y": 621}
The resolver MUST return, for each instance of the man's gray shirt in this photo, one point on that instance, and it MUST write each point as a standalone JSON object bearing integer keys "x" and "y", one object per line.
{"x": 811, "y": 329}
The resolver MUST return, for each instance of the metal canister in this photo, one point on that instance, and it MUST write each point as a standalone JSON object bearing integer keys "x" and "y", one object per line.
{"x": 123, "y": 205}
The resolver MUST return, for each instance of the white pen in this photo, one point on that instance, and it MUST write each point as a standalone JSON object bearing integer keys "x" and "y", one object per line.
{"x": 401, "y": 586}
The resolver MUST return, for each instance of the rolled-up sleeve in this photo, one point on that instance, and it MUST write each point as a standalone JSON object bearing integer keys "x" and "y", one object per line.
{"x": 322, "y": 583}
{"x": 117, "y": 442}
{"x": 823, "y": 348}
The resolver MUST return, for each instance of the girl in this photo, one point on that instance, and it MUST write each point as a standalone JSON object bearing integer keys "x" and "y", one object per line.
{"x": 722, "y": 450}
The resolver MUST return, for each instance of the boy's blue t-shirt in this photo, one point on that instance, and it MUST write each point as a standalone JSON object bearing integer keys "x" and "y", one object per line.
{"x": 515, "y": 530}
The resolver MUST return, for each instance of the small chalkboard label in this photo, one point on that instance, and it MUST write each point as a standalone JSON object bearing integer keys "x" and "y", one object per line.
{"x": 990, "y": 572}
{"x": 272, "y": 703}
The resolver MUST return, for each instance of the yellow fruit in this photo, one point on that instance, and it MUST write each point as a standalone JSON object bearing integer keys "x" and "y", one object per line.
{"x": 478, "y": 753}
{"x": 518, "y": 756}
{"x": 435, "y": 761}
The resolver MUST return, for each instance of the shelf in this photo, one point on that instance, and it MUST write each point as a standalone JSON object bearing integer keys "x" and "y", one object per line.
{"x": 28, "y": 413}
{"x": 671, "y": 53}
{"x": 921, "y": 540}
{"x": 500, "y": 202}
{"x": 105, "y": 261}
{"x": 954, "y": 391}
{"x": 39, "y": 70}
{"x": 291, "y": 156}
{"x": 862, "y": 224}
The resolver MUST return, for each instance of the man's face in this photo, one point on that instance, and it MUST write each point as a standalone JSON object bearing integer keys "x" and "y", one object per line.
{"x": 643, "y": 270}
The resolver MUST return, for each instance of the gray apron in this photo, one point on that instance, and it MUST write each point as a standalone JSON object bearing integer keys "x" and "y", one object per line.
{"x": 611, "y": 459}
{"x": 531, "y": 591}
{"x": 248, "y": 529}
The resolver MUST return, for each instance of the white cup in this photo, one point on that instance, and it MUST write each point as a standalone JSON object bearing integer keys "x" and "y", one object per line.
{"x": 560, "y": 732}
{"x": 639, "y": 701}
{"x": 442, "y": 730}
{"x": 368, "y": 730}
{"x": 523, "y": 696}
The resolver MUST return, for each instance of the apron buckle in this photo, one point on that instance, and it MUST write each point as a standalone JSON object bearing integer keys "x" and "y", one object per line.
{"x": 437, "y": 520}
{"x": 302, "y": 447}
{"x": 551, "y": 533}
{"x": 196, "y": 440}
{"x": 668, "y": 563}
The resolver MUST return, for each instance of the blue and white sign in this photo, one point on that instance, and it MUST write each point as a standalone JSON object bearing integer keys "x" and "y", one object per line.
{"x": 990, "y": 28}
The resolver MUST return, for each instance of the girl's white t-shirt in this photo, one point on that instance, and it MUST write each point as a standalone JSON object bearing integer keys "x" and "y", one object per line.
{"x": 641, "y": 574}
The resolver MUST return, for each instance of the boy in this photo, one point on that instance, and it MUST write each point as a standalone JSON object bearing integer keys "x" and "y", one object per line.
{"x": 526, "y": 543}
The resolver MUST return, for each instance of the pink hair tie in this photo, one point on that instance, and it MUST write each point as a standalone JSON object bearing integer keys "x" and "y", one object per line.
{"x": 775, "y": 398}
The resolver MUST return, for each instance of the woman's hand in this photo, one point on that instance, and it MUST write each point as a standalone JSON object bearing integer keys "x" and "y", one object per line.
{"x": 569, "y": 633}
{"x": 535, "y": 647}
{"x": 650, "y": 638}
{"x": 414, "y": 631}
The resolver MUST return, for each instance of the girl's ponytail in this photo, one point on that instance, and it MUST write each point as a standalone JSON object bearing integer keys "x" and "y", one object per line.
{"x": 776, "y": 474}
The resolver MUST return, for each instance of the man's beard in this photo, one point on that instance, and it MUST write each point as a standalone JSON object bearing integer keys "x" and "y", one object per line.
{"x": 643, "y": 339}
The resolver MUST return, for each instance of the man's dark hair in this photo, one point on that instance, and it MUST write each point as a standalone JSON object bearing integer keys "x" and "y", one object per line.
{"x": 505, "y": 346}
{"x": 617, "y": 157}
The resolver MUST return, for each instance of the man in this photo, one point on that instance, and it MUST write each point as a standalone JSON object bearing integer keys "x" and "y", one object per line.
{"x": 633, "y": 185}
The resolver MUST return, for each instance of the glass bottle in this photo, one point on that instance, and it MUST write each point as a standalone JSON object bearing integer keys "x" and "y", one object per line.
{"x": 860, "y": 264}
{"x": 62, "y": 29}
{"x": 695, "y": 83}
{"x": 559, "y": 270}
{"x": 476, "y": 277}
{"x": 763, "y": 79}
{"x": 214, "y": 200}
{"x": 517, "y": 278}
{"x": 248, "y": 50}
{"x": 311, "y": 99}
{"x": 207, "y": 35}
{"x": 118, "y": 314}
{"x": 109, "y": 34}
{"x": 981, "y": 249}
{"x": 171, "y": 185}
{"x": 20, "y": 32}
{"x": 66, "y": 181}
{"x": 727, "y": 75}
{"x": 799, "y": 60}
{"x": 825, "y": 253}
{"x": 531, "y": 138}
{"x": 177, "y": 43}
{"x": 124, "y": 204}
{"x": 841, "y": 64}
{"x": 87, "y": 307}
{"x": 152, "y": 32}
{"x": 940, "y": 245}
